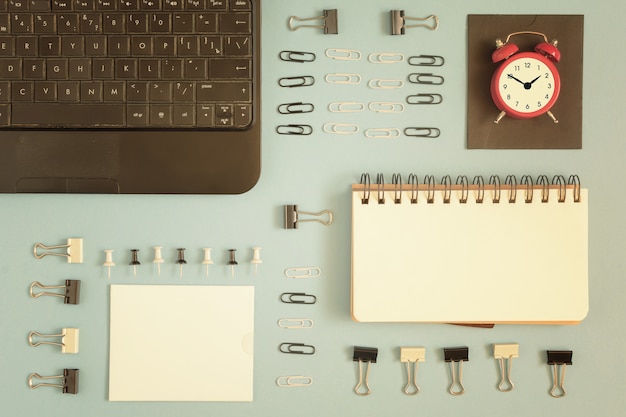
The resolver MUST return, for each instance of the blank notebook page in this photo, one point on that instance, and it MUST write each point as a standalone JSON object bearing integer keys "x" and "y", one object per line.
{"x": 469, "y": 262}
{"x": 181, "y": 343}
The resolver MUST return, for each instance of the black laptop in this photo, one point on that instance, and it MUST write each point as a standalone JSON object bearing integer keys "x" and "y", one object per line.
{"x": 129, "y": 96}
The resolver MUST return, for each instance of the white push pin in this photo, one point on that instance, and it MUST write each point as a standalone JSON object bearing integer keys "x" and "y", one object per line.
{"x": 207, "y": 259}
{"x": 256, "y": 258}
{"x": 108, "y": 261}
{"x": 158, "y": 258}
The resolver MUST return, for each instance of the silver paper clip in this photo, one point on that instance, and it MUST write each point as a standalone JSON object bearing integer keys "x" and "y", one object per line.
{"x": 292, "y": 216}
{"x": 340, "y": 128}
{"x": 297, "y": 348}
{"x": 68, "y": 343}
{"x": 298, "y": 298}
{"x": 559, "y": 359}
{"x": 505, "y": 353}
{"x": 425, "y": 78}
{"x": 398, "y": 22}
{"x": 329, "y": 26}
{"x": 294, "y": 381}
{"x": 296, "y": 56}
{"x": 456, "y": 356}
{"x": 294, "y": 129}
{"x": 422, "y": 132}
{"x": 426, "y": 61}
{"x": 343, "y": 54}
{"x": 295, "y": 323}
{"x": 74, "y": 250}
{"x": 424, "y": 98}
{"x": 364, "y": 355}
{"x": 69, "y": 381}
{"x": 303, "y": 272}
{"x": 71, "y": 294}
{"x": 295, "y": 108}
{"x": 297, "y": 81}
{"x": 412, "y": 355}
{"x": 385, "y": 58}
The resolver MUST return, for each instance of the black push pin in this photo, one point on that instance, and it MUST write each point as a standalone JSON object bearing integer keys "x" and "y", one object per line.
{"x": 181, "y": 259}
{"x": 232, "y": 262}
{"x": 134, "y": 261}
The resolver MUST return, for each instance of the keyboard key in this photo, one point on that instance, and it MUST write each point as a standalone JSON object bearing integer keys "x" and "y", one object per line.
{"x": 22, "y": 23}
{"x": 150, "y": 69}
{"x": 160, "y": 91}
{"x": 229, "y": 68}
{"x": 39, "y": 5}
{"x": 235, "y": 23}
{"x": 160, "y": 114}
{"x": 26, "y": 46}
{"x": 11, "y": 68}
{"x": 34, "y": 69}
{"x": 137, "y": 115}
{"x": 22, "y": 91}
{"x": 91, "y": 91}
{"x": 126, "y": 68}
{"x": 72, "y": 46}
{"x": 223, "y": 91}
{"x": 80, "y": 69}
{"x": 184, "y": 91}
{"x": 7, "y": 46}
{"x": 243, "y": 115}
{"x": 95, "y": 45}
{"x": 137, "y": 91}
{"x": 4, "y": 114}
{"x": 103, "y": 68}
{"x": 45, "y": 91}
{"x": 183, "y": 23}
{"x": 45, "y": 23}
{"x": 184, "y": 115}
{"x": 68, "y": 91}
{"x": 5, "y": 91}
{"x": 114, "y": 23}
{"x": 205, "y": 115}
{"x": 68, "y": 23}
{"x": 196, "y": 68}
{"x": 56, "y": 69}
{"x": 114, "y": 91}
{"x": 67, "y": 114}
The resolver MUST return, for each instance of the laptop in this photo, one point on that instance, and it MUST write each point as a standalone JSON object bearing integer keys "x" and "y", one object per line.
{"x": 130, "y": 96}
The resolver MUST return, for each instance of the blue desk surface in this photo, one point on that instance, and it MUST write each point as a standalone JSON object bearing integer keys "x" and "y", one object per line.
{"x": 315, "y": 172}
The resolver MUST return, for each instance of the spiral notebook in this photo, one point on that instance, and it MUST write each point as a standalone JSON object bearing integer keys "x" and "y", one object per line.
{"x": 469, "y": 251}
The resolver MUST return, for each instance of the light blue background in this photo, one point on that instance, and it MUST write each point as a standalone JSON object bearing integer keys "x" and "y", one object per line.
{"x": 316, "y": 172}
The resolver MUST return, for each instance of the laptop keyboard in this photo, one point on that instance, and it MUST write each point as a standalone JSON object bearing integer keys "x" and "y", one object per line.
{"x": 120, "y": 64}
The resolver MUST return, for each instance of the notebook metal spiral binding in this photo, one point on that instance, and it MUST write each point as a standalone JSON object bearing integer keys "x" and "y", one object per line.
{"x": 476, "y": 190}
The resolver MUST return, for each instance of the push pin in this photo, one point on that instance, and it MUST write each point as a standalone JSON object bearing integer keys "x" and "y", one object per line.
{"x": 134, "y": 261}
{"x": 329, "y": 26}
{"x": 398, "y": 22}
{"x": 73, "y": 253}
{"x": 232, "y": 262}
{"x": 456, "y": 355}
{"x": 559, "y": 359}
{"x": 292, "y": 216}
{"x": 256, "y": 258}
{"x": 68, "y": 343}
{"x": 181, "y": 259}
{"x": 207, "y": 259}
{"x": 71, "y": 294}
{"x": 69, "y": 381}
{"x": 108, "y": 261}
{"x": 158, "y": 258}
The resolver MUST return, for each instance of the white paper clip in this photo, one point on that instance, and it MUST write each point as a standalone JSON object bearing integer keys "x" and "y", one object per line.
{"x": 295, "y": 323}
{"x": 340, "y": 128}
{"x": 292, "y": 216}
{"x": 74, "y": 250}
{"x": 346, "y": 107}
{"x": 385, "y": 58}
{"x": 343, "y": 54}
{"x": 69, "y": 381}
{"x": 348, "y": 79}
{"x": 381, "y": 84}
{"x": 71, "y": 293}
{"x": 303, "y": 272}
{"x": 505, "y": 353}
{"x": 68, "y": 343}
{"x": 294, "y": 381}
{"x": 386, "y": 107}
{"x": 412, "y": 355}
{"x": 398, "y": 22}
{"x": 329, "y": 26}
{"x": 383, "y": 133}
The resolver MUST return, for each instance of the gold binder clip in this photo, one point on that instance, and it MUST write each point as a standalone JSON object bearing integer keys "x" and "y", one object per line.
{"x": 68, "y": 343}
{"x": 292, "y": 216}
{"x": 456, "y": 356}
{"x": 364, "y": 355}
{"x": 505, "y": 352}
{"x": 329, "y": 26}
{"x": 412, "y": 355}
{"x": 69, "y": 381}
{"x": 71, "y": 295}
{"x": 559, "y": 359}
{"x": 74, "y": 252}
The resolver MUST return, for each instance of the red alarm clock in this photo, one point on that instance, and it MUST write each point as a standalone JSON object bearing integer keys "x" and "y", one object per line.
{"x": 525, "y": 84}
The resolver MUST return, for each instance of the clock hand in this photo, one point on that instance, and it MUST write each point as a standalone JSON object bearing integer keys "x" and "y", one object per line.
{"x": 516, "y": 79}
{"x": 535, "y": 79}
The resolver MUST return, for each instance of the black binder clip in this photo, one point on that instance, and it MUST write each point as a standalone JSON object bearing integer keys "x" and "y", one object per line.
{"x": 74, "y": 250}
{"x": 364, "y": 355}
{"x": 69, "y": 381}
{"x": 398, "y": 22}
{"x": 456, "y": 355}
{"x": 292, "y": 216}
{"x": 329, "y": 26}
{"x": 71, "y": 295}
{"x": 297, "y": 348}
{"x": 559, "y": 358}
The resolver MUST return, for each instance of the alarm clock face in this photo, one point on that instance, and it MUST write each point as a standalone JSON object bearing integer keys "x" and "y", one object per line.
{"x": 526, "y": 85}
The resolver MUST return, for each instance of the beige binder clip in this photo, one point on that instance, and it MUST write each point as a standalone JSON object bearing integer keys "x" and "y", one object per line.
{"x": 505, "y": 353}
{"x": 74, "y": 250}
{"x": 412, "y": 355}
{"x": 68, "y": 343}
{"x": 292, "y": 216}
